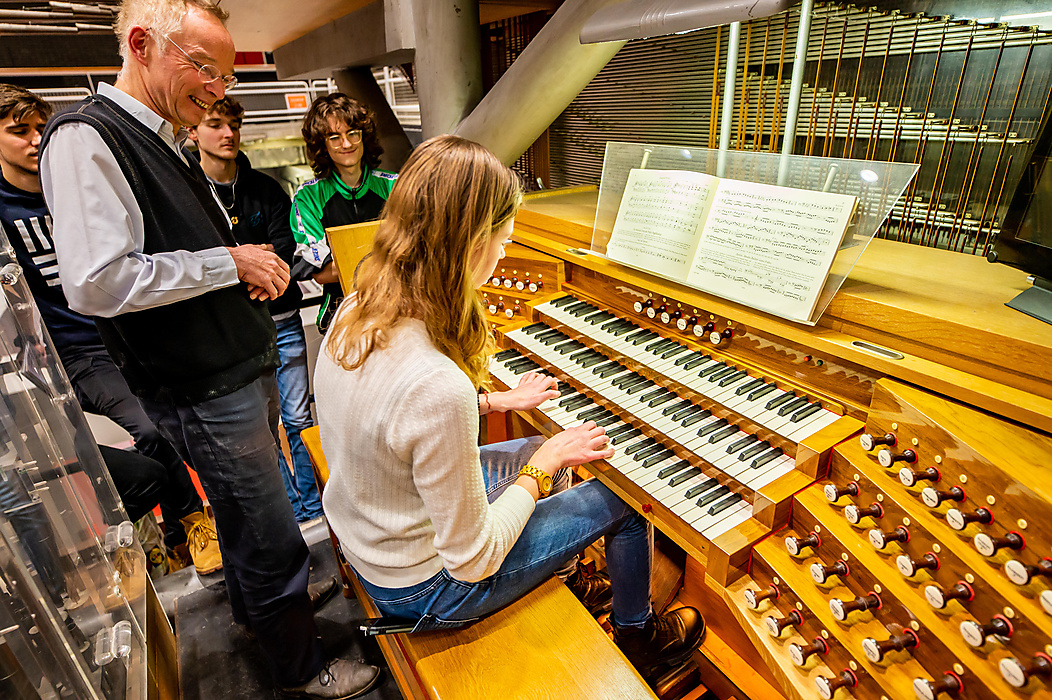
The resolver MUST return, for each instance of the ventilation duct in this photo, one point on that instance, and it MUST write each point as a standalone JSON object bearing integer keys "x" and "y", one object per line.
{"x": 638, "y": 19}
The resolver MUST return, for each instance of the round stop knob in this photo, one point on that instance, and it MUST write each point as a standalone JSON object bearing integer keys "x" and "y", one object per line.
{"x": 685, "y": 323}
{"x": 1017, "y": 675}
{"x": 519, "y": 284}
{"x": 933, "y": 498}
{"x": 880, "y": 539}
{"x": 875, "y": 650}
{"x": 908, "y": 566}
{"x": 754, "y": 598}
{"x": 868, "y": 441}
{"x": 775, "y": 625}
{"x": 535, "y": 286}
{"x": 833, "y": 493}
{"x": 827, "y": 687}
{"x": 800, "y": 654}
{"x": 1021, "y": 574}
{"x": 988, "y": 546}
{"x": 854, "y": 514}
{"x": 910, "y": 477}
{"x": 886, "y": 457}
{"x": 950, "y": 684}
{"x": 822, "y": 573}
{"x": 841, "y": 608}
{"x": 795, "y": 545}
{"x": 938, "y": 598}
{"x": 958, "y": 519}
{"x": 975, "y": 633}
{"x": 496, "y": 281}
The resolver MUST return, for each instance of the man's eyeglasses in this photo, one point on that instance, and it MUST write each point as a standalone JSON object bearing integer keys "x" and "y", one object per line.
{"x": 207, "y": 71}
{"x": 353, "y": 137}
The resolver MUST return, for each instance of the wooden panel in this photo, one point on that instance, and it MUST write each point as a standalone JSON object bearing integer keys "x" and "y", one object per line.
{"x": 349, "y": 244}
{"x": 162, "y": 651}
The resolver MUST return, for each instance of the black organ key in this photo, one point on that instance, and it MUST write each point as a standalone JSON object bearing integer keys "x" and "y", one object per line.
{"x": 741, "y": 444}
{"x": 673, "y": 469}
{"x": 619, "y": 430}
{"x": 581, "y": 353}
{"x": 570, "y": 347}
{"x": 565, "y": 388}
{"x": 609, "y": 420}
{"x": 613, "y": 323}
{"x": 534, "y": 328}
{"x": 646, "y": 337}
{"x": 712, "y": 427}
{"x": 713, "y": 495}
{"x": 697, "y": 361}
{"x": 696, "y": 355}
{"x": 701, "y": 488}
{"x": 635, "y": 389}
{"x": 805, "y": 412}
{"x": 617, "y": 368}
{"x": 553, "y": 339}
{"x": 765, "y": 458}
{"x": 725, "y": 372}
{"x": 676, "y": 407}
{"x": 573, "y": 398}
{"x": 665, "y": 398}
{"x": 642, "y": 444}
{"x": 650, "y": 451}
{"x": 652, "y": 394}
{"x": 594, "y": 360}
{"x": 570, "y": 308}
{"x": 784, "y": 398}
{"x": 696, "y": 418}
{"x": 723, "y": 434}
{"x": 628, "y": 435}
{"x": 584, "y": 310}
{"x": 627, "y": 328}
{"x": 684, "y": 477}
{"x": 725, "y": 504}
{"x": 602, "y": 368}
{"x": 577, "y": 402}
{"x": 672, "y": 352}
{"x": 505, "y": 355}
{"x": 762, "y": 391}
{"x": 526, "y": 368}
{"x": 754, "y": 450}
{"x": 591, "y": 413}
{"x": 598, "y": 316}
{"x": 628, "y": 382}
{"x": 731, "y": 378}
{"x": 792, "y": 406}
{"x": 658, "y": 458}
{"x": 748, "y": 386}
{"x": 563, "y": 301}
{"x": 686, "y": 412}
{"x": 715, "y": 367}
{"x": 660, "y": 342}
{"x": 511, "y": 364}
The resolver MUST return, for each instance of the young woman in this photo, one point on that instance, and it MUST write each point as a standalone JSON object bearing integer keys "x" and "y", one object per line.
{"x": 436, "y": 528}
{"x": 344, "y": 152}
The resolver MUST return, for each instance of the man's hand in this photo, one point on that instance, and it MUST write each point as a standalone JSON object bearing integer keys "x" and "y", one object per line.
{"x": 327, "y": 274}
{"x": 266, "y": 274}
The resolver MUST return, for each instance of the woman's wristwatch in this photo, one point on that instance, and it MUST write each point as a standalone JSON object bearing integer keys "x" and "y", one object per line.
{"x": 544, "y": 480}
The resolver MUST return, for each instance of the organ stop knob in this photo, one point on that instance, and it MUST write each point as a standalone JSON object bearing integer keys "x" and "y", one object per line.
{"x": 908, "y": 566}
{"x": 833, "y": 493}
{"x": 886, "y": 457}
{"x": 938, "y": 598}
{"x": 822, "y": 573}
{"x": 958, "y": 519}
{"x": 827, "y": 687}
{"x": 795, "y": 545}
{"x": 988, "y": 546}
{"x": 841, "y": 609}
{"x": 910, "y": 477}
{"x": 800, "y": 654}
{"x": 868, "y": 441}
{"x": 1017, "y": 675}
{"x": 950, "y": 684}
{"x": 881, "y": 539}
{"x": 875, "y": 650}
{"x": 933, "y": 498}
{"x": 754, "y": 598}
{"x": 854, "y": 514}
{"x": 975, "y": 633}
{"x": 775, "y": 625}
{"x": 1021, "y": 574}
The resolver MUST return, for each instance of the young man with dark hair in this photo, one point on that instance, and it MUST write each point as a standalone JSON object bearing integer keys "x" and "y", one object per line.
{"x": 259, "y": 213}
{"x": 344, "y": 151}
{"x": 97, "y": 382}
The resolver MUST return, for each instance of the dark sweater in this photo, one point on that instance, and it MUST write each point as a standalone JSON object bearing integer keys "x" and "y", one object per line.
{"x": 199, "y": 348}
{"x": 259, "y": 210}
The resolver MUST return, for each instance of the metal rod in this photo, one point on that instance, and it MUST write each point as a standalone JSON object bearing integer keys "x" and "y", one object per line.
{"x": 815, "y": 94}
{"x": 796, "y": 86}
{"x": 902, "y": 93}
{"x": 761, "y": 103}
{"x": 729, "y": 76}
{"x": 848, "y": 139}
{"x": 993, "y": 217}
{"x": 827, "y": 142}
{"x": 743, "y": 108}
{"x": 936, "y": 197}
{"x": 776, "y": 115}
{"x": 715, "y": 102}
{"x": 877, "y": 109}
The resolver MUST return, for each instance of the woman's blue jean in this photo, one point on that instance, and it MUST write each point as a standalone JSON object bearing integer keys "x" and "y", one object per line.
{"x": 562, "y": 526}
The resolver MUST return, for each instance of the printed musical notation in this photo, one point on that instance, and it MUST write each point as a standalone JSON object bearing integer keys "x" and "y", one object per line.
{"x": 766, "y": 246}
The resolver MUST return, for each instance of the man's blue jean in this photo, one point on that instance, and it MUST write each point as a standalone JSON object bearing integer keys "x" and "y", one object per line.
{"x": 294, "y": 390}
{"x": 265, "y": 560}
{"x": 562, "y": 526}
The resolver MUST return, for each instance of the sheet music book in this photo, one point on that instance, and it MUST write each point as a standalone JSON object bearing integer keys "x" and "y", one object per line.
{"x": 765, "y": 246}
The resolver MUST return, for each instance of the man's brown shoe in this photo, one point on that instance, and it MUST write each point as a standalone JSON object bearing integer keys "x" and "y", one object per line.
{"x": 666, "y": 640}
{"x": 339, "y": 680}
{"x": 321, "y": 592}
{"x": 203, "y": 543}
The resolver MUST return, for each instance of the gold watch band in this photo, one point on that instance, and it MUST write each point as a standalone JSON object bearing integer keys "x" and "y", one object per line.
{"x": 544, "y": 481}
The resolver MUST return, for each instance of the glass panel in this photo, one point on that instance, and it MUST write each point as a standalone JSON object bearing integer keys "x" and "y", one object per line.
{"x": 877, "y": 185}
{"x": 72, "y": 574}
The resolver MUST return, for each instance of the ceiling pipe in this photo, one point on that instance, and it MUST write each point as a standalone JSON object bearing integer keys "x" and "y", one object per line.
{"x": 34, "y": 14}
{"x": 7, "y": 27}
{"x": 81, "y": 8}
{"x": 638, "y": 19}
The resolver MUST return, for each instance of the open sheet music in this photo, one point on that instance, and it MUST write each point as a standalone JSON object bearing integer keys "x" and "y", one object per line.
{"x": 762, "y": 245}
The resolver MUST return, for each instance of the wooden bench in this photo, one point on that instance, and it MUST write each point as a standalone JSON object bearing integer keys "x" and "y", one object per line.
{"x": 545, "y": 645}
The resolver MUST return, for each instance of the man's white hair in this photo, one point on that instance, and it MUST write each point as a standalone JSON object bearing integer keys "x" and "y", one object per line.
{"x": 163, "y": 16}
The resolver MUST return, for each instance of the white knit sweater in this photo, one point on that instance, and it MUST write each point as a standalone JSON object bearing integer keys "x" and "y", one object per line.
{"x": 405, "y": 494}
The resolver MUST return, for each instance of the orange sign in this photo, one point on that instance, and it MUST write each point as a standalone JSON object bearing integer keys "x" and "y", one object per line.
{"x": 296, "y": 101}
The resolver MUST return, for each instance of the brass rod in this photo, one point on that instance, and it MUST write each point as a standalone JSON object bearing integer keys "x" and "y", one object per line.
{"x": 714, "y": 104}
{"x": 936, "y": 197}
{"x": 877, "y": 109}
{"x": 1004, "y": 140}
{"x": 902, "y": 93}
{"x": 757, "y": 142}
{"x": 827, "y": 143}
{"x": 849, "y": 141}
{"x": 993, "y": 216}
{"x": 962, "y": 205}
{"x": 743, "y": 105}
{"x": 812, "y": 122}
{"x": 777, "y": 113}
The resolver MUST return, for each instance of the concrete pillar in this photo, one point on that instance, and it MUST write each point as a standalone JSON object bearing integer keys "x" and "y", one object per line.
{"x": 360, "y": 84}
{"x": 542, "y": 82}
{"x": 448, "y": 62}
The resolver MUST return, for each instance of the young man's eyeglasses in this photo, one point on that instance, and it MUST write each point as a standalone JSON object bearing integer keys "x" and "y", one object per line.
{"x": 353, "y": 137}
{"x": 207, "y": 71}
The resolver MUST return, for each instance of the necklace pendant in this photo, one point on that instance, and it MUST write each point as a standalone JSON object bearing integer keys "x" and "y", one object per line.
{"x": 233, "y": 220}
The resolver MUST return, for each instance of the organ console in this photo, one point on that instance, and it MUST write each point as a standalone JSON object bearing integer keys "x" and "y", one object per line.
{"x": 855, "y": 525}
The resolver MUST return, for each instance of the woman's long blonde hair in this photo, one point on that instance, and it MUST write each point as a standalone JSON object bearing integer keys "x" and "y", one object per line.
{"x": 451, "y": 197}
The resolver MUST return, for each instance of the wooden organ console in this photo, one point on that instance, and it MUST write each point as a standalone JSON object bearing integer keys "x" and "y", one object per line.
{"x": 864, "y": 504}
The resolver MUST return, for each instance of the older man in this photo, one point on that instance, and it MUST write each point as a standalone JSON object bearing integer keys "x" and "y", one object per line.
{"x": 143, "y": 245}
